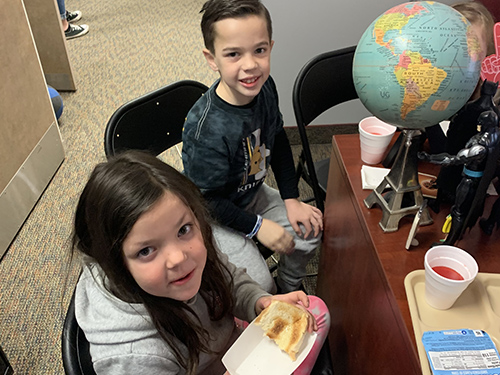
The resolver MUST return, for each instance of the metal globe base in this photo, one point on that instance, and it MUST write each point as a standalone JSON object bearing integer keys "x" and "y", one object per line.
{"x": 402, "y": 179}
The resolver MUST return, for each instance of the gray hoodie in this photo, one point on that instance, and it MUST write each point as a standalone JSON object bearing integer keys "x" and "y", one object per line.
{"x": 124, "y": 341}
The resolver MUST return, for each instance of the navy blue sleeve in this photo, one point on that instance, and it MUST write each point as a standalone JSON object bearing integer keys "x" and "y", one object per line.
{"x": 228, "y": 214}
{"x": 283, "y": 166}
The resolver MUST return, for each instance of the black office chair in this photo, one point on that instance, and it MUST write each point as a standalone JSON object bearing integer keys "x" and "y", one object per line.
{"x": 152, "y": 122}
{"x": 323, "y": 82}
{"x": 75, "y": 347}
{"x": 5, "y": 367}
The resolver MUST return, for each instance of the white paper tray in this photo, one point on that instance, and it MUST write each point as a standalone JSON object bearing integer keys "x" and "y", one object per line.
{"x": 256, "y": 354}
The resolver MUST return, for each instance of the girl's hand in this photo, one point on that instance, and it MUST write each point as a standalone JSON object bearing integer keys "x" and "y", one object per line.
{"x": 298, "y": 298}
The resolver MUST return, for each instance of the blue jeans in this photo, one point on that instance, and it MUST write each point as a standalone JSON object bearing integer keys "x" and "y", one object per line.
{"x": 62, "y": 9}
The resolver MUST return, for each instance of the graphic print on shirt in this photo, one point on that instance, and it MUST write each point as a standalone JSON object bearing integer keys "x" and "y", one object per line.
{"x": 255, "y": 161}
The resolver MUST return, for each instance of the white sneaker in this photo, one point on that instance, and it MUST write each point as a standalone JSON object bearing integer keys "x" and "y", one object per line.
{"x": 73, "y": 16}
{"x": 74, "y": 31}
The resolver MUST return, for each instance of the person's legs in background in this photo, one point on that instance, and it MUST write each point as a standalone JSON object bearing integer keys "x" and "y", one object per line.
{"x": 71, "y": 31}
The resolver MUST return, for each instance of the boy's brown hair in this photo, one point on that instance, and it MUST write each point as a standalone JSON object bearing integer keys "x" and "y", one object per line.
{"x": 217, "y": 10}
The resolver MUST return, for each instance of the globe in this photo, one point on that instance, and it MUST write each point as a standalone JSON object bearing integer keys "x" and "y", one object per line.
{"x": 417, "y": 64}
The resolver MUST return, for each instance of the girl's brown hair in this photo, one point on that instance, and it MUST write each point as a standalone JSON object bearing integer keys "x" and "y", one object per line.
{"x": 116, "y": 195}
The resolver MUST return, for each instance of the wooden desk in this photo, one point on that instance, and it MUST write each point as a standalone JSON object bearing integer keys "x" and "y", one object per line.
{"x": 362, "y": 271}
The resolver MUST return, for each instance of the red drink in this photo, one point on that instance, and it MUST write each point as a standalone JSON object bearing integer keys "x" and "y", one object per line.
{"x": 375, "y": 133}
{"x": 447, "y": 272}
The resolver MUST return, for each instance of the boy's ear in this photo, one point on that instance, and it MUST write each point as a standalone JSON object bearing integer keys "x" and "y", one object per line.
{"x": 210, "y": 60}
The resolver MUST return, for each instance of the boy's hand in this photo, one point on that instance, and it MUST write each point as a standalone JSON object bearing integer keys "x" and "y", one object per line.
{"x": 275, "y": 237}
{"x": 302, "y": 213}
{"x": 298, "y": 298}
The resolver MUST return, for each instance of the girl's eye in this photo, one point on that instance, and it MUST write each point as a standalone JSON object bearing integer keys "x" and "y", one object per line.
{"x": 185, "y": 229}
{"x": 145, "y": 252}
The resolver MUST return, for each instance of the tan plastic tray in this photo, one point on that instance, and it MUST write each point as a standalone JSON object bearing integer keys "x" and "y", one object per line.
{"x": 477, "y": 308}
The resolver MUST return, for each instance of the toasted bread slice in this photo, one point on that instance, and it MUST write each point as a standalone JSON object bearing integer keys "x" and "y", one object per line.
{"x": 284, "y": 323}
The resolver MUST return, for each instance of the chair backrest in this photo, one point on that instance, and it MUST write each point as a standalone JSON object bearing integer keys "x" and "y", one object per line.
{"x": 75, "y": 347}
{"x": 152, "y": 122}
{"x": 325, "y": 81}
{"x": 322, "y": 83}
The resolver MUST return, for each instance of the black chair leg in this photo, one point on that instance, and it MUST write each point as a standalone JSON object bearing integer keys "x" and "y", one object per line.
{"x": 5, "y": 368}
{"x": 323, "y": 365}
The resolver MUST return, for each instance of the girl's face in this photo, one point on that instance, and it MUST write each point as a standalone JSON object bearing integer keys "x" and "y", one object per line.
{"x": 165, "y": 252}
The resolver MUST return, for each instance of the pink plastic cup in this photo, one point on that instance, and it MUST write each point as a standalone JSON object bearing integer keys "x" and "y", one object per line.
{"x": 374, "y": 135}
{"x": 448, "y": 272}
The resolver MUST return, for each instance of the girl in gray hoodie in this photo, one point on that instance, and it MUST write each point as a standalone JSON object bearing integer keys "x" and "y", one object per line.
{"x": 155, "y": 295}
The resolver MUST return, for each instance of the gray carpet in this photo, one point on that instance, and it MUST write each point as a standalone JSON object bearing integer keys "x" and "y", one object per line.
{"x": 132, "y": 48}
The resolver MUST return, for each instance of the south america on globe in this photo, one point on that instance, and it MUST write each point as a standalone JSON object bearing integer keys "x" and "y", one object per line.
{"x": 417, "y": 64}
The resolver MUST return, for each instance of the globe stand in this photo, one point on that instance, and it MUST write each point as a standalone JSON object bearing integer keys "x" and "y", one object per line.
{"x": 402, "y": 179}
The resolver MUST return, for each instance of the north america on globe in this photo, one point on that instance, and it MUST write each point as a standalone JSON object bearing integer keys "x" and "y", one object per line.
{"x": 416, "y": 64}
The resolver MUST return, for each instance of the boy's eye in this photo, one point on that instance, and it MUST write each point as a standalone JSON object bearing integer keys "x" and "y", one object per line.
{"x": 260, "y": 50}
{"x": 232, "y": 54}
{"x": 185, "y": 229}
{"x": 145, "y": 252}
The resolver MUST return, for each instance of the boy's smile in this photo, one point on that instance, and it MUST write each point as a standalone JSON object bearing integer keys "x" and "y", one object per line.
{"x": 242, "y": 56}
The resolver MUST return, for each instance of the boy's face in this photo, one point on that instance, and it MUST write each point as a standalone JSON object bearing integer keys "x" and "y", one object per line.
{"x": 242, "y": 56}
